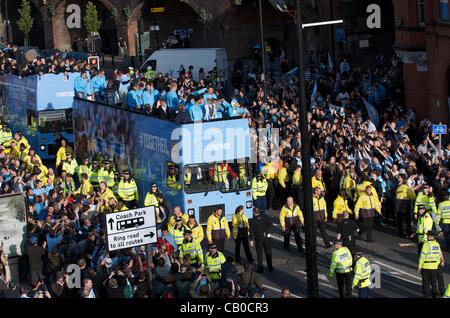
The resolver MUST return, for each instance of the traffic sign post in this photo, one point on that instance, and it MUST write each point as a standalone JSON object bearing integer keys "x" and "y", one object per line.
{"x": 439, "y": 130}
{"x": 131, "y": 228}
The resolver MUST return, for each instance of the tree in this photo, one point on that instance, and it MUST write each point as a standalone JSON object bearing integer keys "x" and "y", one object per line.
{"x": 92, "y": 22}
{"x": 25, "y": 23}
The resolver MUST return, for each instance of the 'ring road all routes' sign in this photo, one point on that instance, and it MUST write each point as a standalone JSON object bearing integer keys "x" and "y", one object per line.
{"x": 131, "y": 228}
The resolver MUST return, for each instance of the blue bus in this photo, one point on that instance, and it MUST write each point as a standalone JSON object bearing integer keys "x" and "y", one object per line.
{"x": 156, "y": 150}
{"x": 40, "y": 107}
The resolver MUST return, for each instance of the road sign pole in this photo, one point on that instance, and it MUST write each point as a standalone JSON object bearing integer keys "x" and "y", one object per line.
{"x": 149, "y": 270}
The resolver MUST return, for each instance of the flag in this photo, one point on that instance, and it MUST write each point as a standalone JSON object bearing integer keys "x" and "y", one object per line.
{"x": 314, "y": 93}
{"x": 330, "y": 61}
{"x": 373, "y": 114}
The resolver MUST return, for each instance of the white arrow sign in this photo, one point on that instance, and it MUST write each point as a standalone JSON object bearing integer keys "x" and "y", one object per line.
{"x": 131, "y": 228}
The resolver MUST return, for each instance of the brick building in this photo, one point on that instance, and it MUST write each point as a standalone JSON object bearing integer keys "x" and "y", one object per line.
{"x": 422, "y": 41}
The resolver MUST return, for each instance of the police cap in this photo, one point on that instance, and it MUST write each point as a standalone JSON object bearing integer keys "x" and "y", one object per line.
{"x": 127, "y": 172}
{"x": 192, "y": 216}
{"x": 153, "y": 185}
{"x": 431, "y": 233}
{"x": 187, "y": 232}
{"x": 337, "y": 242}
{"x": 95, "y": 162}
{"x": 421, "y": 207}
{"x": 116, "y": 173}
{"x": 85, "y": 159}
{"x": 177, "y": 219}
{"x": 426, "y": 186}
{"x": 212, "y": 247}
{"x": 107, "y": 162}
{"x": 359, "y": 253}
{"x": 68, "y": 154}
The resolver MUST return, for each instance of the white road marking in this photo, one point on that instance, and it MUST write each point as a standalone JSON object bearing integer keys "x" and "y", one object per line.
{"x": 399, "y": 270}
{"x": 279, "y": 290}
{"x": 321, "y": 276}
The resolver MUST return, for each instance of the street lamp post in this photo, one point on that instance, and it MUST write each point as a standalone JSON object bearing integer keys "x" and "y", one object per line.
{"x": 310, "y": 239}
{"x": 8, "y": 27}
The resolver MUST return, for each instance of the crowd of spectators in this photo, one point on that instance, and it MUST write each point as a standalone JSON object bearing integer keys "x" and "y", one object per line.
{"x": 67, "y": 226}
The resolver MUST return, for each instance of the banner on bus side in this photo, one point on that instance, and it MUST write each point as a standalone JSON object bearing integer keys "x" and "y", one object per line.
{"x": 131, "y": 228}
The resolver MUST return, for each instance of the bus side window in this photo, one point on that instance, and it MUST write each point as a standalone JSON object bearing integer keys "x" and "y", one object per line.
{"x": 31, "y": 119}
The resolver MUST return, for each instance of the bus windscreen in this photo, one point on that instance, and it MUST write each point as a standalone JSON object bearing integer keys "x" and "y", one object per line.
{"x": 216, "y": 177}
{"x": 55, "y": 120}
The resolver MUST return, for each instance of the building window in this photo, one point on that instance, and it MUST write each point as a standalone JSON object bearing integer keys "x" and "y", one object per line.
{"x": 443, "y": 7}
{"x": 421, "y": 12}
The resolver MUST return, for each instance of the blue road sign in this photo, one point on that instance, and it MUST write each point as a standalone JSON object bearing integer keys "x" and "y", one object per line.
{"x": 439, "y": 129}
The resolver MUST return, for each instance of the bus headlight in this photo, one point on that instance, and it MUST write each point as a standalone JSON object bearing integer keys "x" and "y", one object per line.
{"x": 191, "y": 212}
{"x": 42, "y": 147}
{"x": 249, "y": 204}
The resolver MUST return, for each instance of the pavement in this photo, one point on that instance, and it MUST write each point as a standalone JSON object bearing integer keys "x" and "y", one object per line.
{"x": 396, "y": 266}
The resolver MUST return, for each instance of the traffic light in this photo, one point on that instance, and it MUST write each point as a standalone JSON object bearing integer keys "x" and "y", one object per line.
{"x": 94, "y": 61}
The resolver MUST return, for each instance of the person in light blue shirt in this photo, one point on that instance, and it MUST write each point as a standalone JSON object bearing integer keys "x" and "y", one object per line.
{"x": 81, "y": 86}
{"x": 38, "y": 190}
{"x": 133, "y": 101}
{"x": 210, "y": 94}
{"x": 97, "y": 85}
{"x": 234, "y": 111}
{"x": 344, "y": 67}
{"x": 148, "y": 96}
{"x": 224, "y": 105}
{"x": 190, "y": 102}
{"x": 139, "y": 93}
{"x": 196, "y": 111}
{"x": 172, "y": 98}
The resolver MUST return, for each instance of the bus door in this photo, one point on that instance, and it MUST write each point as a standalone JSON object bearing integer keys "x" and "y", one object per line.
{"x": 52, "y": 123}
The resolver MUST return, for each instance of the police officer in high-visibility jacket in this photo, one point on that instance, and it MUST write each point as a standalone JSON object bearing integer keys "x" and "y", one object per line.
{"x": 177, "y": 213}
{"x": 84, "y": 168}
{"x": 128, "y": 190}
{"x": 5, "y": 136}
{"x": 290, "y": 216}
{"x": 340, "y": 206}
{"x": 447, "y": 292}
{"x": 217, "y": 229}
{"x": 430, "y": 259}
{"x": 62, "y": 151}
{"x": 172, "y": 181}
{"x": 151, "y": 200}
{"x": 270, "y": 171}
{"x": 317, "y": 181}
{"x": 106, "y": 174}
{"x": 178, "y": 232}
{"x": 320, "y": 215}
{"x": 404, "y": 198}
{"x": 106, "y": 195}
{"x": 367, "y": 203}
{"x": 195, "y": 228}
{"x": 241, "y": 232}
{"x": 115, "y": 187}
{"x": 362, "y": 271}
{"x": 242, "y": 176}
{"x": 296, "y": 186}
{"x": 69, "y": 164}
{"x": 341, "y": 263}
{"x": 85, "y": 187}
{"x": 426, "y": 198}
{"x": 259, "y": 189}
{"x": 284, "y": 182}
{"x": 220, "y": 172}
{"x": 95, "y": 170}
{"x": 214, "y": 260}
{"x": 443, "y": 217}
{"x": 424, "y": 225}
{"x": 191, "y": 246}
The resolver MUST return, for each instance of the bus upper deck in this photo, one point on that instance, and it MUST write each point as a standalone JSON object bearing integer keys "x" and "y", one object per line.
{"x": 40, "y": 107}
{"x": 198, "y": 166}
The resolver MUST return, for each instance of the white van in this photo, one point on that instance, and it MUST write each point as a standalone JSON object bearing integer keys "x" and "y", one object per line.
{"x": 169, "y": 61}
